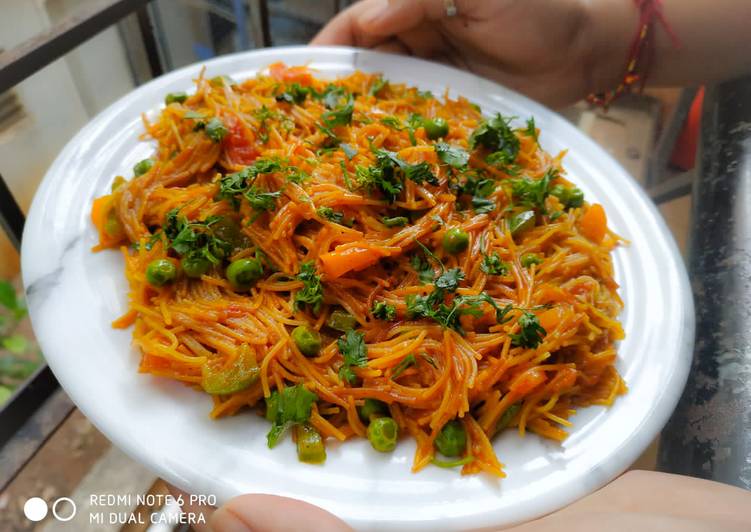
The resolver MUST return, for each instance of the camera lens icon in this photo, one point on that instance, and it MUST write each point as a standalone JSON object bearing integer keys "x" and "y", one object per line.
{"x": 63, "y": 509}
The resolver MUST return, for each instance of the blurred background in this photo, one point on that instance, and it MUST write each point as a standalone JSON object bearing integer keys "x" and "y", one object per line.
{"x": 49, "y": 448}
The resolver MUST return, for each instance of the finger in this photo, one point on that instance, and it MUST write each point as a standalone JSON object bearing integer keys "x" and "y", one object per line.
{"x": 345, "y": 29}
{"x": 189, "y": 507}
{"x": 392, "y": 47}
{"x": 270, "y": 513}
{"x": 397, "y": 16}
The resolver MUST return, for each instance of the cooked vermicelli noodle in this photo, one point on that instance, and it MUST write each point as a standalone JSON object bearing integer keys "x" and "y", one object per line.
{"x": 357, "y": 258}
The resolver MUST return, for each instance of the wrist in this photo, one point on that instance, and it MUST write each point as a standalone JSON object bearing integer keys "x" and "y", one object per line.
{"x": 611, "y": 26}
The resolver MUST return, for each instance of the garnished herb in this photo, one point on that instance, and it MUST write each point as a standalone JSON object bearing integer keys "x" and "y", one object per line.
{"x": 175, "y": 97}
{"x": 355, "y": 353}
{"x": 338, "y": 117}
{"x": 349, "y": 150}
{"x": 383, "y": 311}
{"x": 528, "y": 259}
{"x": 453, "y": 156}
{"x": 311, "y": 294}
{"x": 392, "y": 122}
{"x": 531, "y": 130}
{"x": 194, "y": 240}
{"x": 497, "y": 136}
{"x": 447, "y": 464}
{"x": 449, "y": 280}
{"x": 425, "y": 95}
{"x": 394, "y": 221}
{"x": 532, "y": 192}
{"x": 261, "y": 201}
{"x": 424, "y": 271}
{"x": 403, "y": 364}
{"x": 379, "y": 84}
{"x": 429, "y": 359}
{"x": 297, "y": 176}
{"x": 262, "y": 114}
{"x": 493, "y": 265}
{"x": 291, "y": 406}
{"x": 294, "y": 93}
{"x": 479, "y": 189}
{"x": 522, "y": 222}
{"x": 332, "y": 215}
{"x": 216, "y": 130}
{"x": 232, "y": 185}
{"x": 530, "y": 333}
{"x": 389, "y": 172}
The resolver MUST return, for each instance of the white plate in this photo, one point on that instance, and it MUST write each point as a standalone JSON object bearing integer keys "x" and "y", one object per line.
{"x": 73, "y": 295}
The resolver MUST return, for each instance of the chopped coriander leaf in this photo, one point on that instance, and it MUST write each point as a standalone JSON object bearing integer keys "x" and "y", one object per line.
{"x": 297, "y": 176}
{"x": 532, "y": 192}
{"x": 395, "y": 221}
{"x": 237, "y": 183}
{"x": 554, "y": 216}
{"x": 392, "y": 122}
{"x": 216, "y": 130}
{"x": 349, "y": 150}
{"x": 311, "y": 294}
{"x": 493, "y": 265}
{"x": 528, "y": 259}
{"x": 378, "y": 85}
{"x": 522, "y": 222}
{"x": 331, "y": 215}
{"x": 261, "y": 201}
{"x": 403, "y": 364}
{"x": 383, "y": 311}
{"x": 378, "y": 178}
{"x": 195, "y": 240}
{"x": 497, "y": 136}
{"x": 419, "y": 173}
{"x": 334, "y": 97}
{"x": 294, "y": 93}
{"x": 450, "y": 279}
{"x": 340, "y": 116}
{"x": 482, "y": 205}
{"x": 531, "y": 333}
{"x": 570, "y": 197}
{"x": 424, "y": 271}
{"x": 291, "y": 406}
{"x": 451, "y": 155}
{"x": 355, "y": 353}
{"x": 531, "y": 129}
{"x": 175, "y": 97}
{"x": 425, "y": 95}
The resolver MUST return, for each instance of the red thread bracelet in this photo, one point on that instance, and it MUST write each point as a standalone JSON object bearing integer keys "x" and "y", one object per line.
{"x": 640, "y": 53}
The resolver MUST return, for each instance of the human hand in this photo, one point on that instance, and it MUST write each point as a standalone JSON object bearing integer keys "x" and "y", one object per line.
{"x": 639, "y": 500}
{"x": 556, "y": 51}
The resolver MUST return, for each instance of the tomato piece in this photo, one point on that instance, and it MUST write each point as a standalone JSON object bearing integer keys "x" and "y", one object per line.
{"x": 238, "y": 147}
{"x": 294, "y": 74}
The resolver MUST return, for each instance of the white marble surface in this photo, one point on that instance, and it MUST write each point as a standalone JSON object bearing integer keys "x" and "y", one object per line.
{"x": 73, "y": 295}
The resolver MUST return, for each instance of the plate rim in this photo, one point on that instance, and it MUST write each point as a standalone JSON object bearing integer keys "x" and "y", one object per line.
{"x": 480, "y": 519}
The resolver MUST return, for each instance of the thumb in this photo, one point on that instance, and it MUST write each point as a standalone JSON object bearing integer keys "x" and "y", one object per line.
{"x": 270, "y": 513}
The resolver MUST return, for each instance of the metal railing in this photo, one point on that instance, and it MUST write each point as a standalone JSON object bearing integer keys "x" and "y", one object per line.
{"x": 21, "y": 413}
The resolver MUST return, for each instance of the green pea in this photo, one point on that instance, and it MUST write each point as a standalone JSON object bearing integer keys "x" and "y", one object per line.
{"x": 308, "y": 341}
{"x": 522, "y": 222}
{"x": 435, "y": 128}
{"x": 372, "y": 408}
{"x": 570, "y": 197}
{"x": 175, "y": 97}
{"x": 160, "y": 272}
{"x": 142, "y": 167}
{"x": 341, "y": 321}
{"x": 310, "y": 448}
{"x": 383, "y": 433}
{"x": 195, "y": 267}
{"x": 452, "y": 440}
{"x": 455, "y": 240}
{"x": 243, "y": 273}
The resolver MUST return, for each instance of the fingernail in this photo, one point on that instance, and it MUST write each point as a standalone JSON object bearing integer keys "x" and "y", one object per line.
{"x": 375, "y": 12}
{"x": 224, "y": 520}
